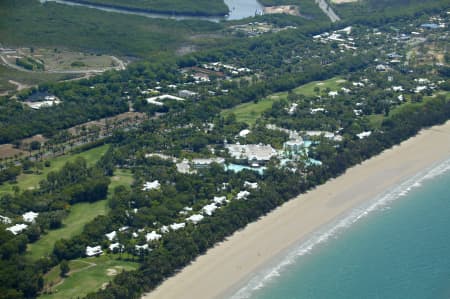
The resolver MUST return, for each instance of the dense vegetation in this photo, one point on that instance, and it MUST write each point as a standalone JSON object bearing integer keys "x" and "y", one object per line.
{"x": 192, "y": 7}
{"x": 29, "y": 23}
{"x": 195, "y": 128}
{"x": 75, "y": 182}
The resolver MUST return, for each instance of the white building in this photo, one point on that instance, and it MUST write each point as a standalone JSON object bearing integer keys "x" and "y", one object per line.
{"x": 29, "y": 216}
{"x": 151, "y": 185}
{"x": 177, "y": 226}
{"x": 5, "y": 220}
{"x": 153, "y": 236}
{"x": 242, "y": 195}
{"x": 293, "y": 146}
{"x": 17, "y": 229}
{"x": 196, "y": 218}
{"x": 251, "y": 152}
{"x": 93, "y": 251}
{"x": 111, "y": 236}
{"x": 250, "y": 185}
{"x": 219, "y": 199}
{"x": 364, "y": 134}
{"x": 115, "y": 246}
{"x": 209, "y": 209}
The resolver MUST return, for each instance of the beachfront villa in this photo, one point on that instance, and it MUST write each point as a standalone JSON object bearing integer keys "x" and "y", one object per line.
{"x": 196, "y": 218}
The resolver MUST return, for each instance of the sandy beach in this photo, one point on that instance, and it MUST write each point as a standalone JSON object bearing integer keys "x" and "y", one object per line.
{"x": 232, "y": 262}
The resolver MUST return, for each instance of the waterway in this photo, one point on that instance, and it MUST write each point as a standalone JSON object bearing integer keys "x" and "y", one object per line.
{"x": 238, "y": 9}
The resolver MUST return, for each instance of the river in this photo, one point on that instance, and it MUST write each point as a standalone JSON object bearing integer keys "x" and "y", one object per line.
{"x": 239, "y": 9}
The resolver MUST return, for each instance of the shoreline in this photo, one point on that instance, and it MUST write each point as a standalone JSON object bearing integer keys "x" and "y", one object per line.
{"x": 229, "y": 265}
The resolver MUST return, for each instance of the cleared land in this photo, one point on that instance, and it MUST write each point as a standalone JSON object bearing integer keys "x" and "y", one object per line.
{"x": 79, "y": 215}
{"x": 250, "y": 112}
{"x": 86, "y": 275}
{"x": 26, "y": 78}
{"x": 31, "y": 181}
{"x": 57, "y": 60}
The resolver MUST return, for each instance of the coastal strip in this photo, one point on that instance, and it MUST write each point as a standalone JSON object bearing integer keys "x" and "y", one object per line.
{"x": 224, "y": 268}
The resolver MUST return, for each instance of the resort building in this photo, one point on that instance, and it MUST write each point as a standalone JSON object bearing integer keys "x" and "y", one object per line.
{"x": 253, "y": 153}
{"x": 202, "y": 163}
{"x": 294, "y": 146}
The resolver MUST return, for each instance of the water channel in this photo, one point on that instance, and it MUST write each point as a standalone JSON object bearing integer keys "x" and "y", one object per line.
{"x": 238, "y": 9}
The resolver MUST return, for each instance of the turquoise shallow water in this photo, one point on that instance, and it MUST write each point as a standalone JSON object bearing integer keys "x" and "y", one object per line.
{"x": 401, "y": 249}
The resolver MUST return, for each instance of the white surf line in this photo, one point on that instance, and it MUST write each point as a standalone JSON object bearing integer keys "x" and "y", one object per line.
{"x": 274, "y": 269}
{"x": 326, "y": 8}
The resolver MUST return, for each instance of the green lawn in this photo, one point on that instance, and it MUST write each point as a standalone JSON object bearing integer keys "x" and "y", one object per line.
{"x": 73, "y": 224}
{"x": 87, "y": 275}
{"x": 308, "y": 89}
{"x": 31, "y": 181}
{"x": 79, "y": 215}
{"x": 250, "y": 112}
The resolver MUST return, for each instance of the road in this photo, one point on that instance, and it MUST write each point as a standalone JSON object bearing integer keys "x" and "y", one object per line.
{"x": 323, "y": 5}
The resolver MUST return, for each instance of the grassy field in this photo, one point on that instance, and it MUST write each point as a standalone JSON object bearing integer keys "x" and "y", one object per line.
{"x": 250, "y": 112}
{"x": 377, "y": 119}
{"x": 308, "y": 89}
{"x": 26, "y": 78}
{"x": 79, "y": 215}
{"x": 86, "y": 275}
{"x": 63, "y": 60}
{"x": 30, "y": 181}
{"x": 73, "y": 224}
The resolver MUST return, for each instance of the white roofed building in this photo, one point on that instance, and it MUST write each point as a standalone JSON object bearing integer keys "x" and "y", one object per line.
{"x": 153, "y": 236}
{"x": 259, "y": 153}
{"x": 111, "y": 236}
{"x": 209, "y": 209}
{"x": 93, "y": 251}
{"x": 17, "y": 229}
{"x": 30, "y": 216}
{"x": 196, "y": 218}
{"x": 177, "y": 226}
{"x": 5, "y": 220}
{"x": 151, "y": 185}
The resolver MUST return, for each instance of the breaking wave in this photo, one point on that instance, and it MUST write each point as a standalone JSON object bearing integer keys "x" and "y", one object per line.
{"x": 380, "y": 203}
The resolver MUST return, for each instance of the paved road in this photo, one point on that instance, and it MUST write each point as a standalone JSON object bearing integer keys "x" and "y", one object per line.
{"x": 328, "y": 10}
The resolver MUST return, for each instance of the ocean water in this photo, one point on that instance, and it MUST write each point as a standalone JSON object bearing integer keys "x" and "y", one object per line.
{"x": 397, "y": 246}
